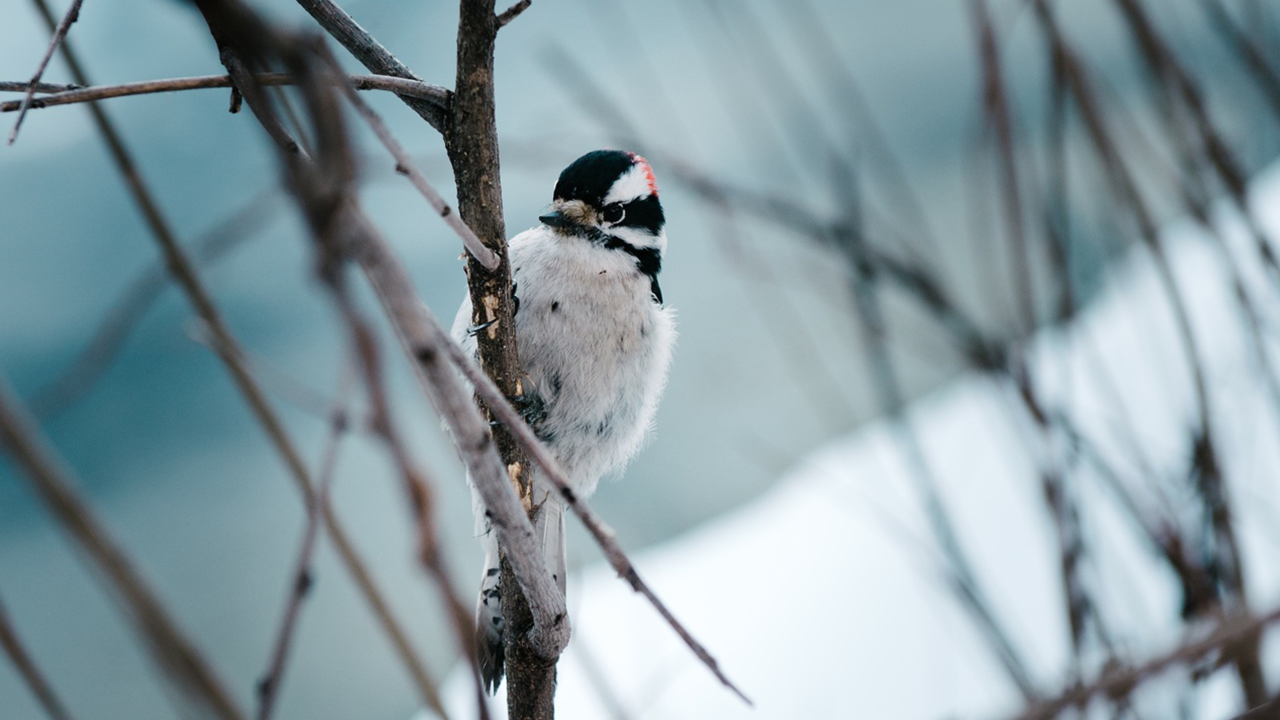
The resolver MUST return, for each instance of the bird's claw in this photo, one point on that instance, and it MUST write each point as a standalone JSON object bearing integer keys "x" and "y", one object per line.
{"x": 475, "y": 329}
{"x": 530, "y": 405}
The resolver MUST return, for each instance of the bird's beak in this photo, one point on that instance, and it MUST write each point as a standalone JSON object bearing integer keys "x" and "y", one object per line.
{"x": 555, "y": 219}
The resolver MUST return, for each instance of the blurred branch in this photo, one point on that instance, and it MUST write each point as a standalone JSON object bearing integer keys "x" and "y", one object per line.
{"x": 124, "y": 314}
{"x": 916, "y": 280}
{"x": 68, "y": 95}
{"x": 26, "y": 667}
{"x": 59, "y": 34}
{"x": 1231, "y": 632}
{"x": 1253, "y": 56}
{"x": 959, "y": 571}
{"x": 998, "y": 116}
{"x": 1206, "y": 470}
{"x": 227, "y": 350}
{"x": 175, "y": 655}
{"x": 1269, "y": 711}
{"x": 302, "y": 580}
{"x": 1164, "y": 66}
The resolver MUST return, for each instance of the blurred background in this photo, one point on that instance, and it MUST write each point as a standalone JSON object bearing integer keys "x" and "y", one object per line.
{"x": 839, "y": 184}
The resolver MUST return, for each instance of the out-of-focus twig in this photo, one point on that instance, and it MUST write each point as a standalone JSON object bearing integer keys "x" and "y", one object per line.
{"x": 1253, "y": 56}
{"x": 1230, "y": 632}
{"x": 1206, "y": 469}
{"x": 26, "y": 667}
{"x": 173, "y": 653}
{"x": 128, "y": 309}
{"x": 999, "y": 117}
{"x": 59, "y": 34}
{"x": 302, "y": 579}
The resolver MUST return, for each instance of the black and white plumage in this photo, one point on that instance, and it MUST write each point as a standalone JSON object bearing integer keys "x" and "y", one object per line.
{"x": 595, "y": 342}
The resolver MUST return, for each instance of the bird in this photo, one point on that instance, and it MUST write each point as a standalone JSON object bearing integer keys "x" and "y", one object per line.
{"x": 595, "y": 342}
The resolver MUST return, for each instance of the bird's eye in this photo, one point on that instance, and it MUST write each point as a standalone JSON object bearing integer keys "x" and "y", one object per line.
{"x": 613, "y": 214}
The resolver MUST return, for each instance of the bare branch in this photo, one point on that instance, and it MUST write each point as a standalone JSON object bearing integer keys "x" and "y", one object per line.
{"x": 269, "y": 685}
{"x": 59, "y": 34}
{"x": 512, "y": 13}
{"x": 1233, "y": 631}
{"x": 406, "y": 166}
{"x": 41, "y": 87}
{"x": 26, "y": 667}
{"x": 133, "y": 302}
{"x": 69, "y": 94}
{"x": 175, "y": 656}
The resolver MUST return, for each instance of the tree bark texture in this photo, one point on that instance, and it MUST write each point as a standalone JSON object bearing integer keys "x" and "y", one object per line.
{"x": 471, "y": 139}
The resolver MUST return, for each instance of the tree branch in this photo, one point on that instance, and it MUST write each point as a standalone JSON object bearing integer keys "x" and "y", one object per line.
{"x": 69, "y": 94}
{"x": 59, "y": 34}
{"x": 1235, "y": 631}
{"x": 511, "y": 13}
{"x": 301, "y": 579}
{"x": 41, "y": 87}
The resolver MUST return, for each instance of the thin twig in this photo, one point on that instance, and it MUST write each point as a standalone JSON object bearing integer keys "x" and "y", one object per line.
{"x": 406, "y": 166}
{"x": 59, "y": 34}
{"x": 1230, "y": 632}
{"x": 302, "y": 580}
{"x": 70, "y": 94}
{"x": 512, "y": 13}
{"x": 26, "y": 667}
{"x": 999, "y": 117}
{"x": 41, "y": 87}
{"x": 124, "y": 314}
{"x": 173, "y": 653}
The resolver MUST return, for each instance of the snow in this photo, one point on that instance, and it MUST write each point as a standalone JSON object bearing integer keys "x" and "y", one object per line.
{"x": 823, "y": 597}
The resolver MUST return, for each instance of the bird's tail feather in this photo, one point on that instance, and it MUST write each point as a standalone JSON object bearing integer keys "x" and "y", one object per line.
{"x": 549, "y": 528}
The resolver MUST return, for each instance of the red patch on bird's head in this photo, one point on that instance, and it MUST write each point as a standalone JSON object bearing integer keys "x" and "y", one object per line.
{"x": 648, "y": 171}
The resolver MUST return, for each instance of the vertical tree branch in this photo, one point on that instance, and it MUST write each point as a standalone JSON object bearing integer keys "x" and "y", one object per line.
{"x": 471, "y": 140}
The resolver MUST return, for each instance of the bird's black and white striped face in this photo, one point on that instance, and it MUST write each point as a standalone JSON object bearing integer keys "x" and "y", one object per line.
{"x": 609, "y": 195}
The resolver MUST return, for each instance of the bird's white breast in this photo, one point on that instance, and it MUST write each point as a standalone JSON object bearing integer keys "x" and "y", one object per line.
{"x": 595, "y": 344}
